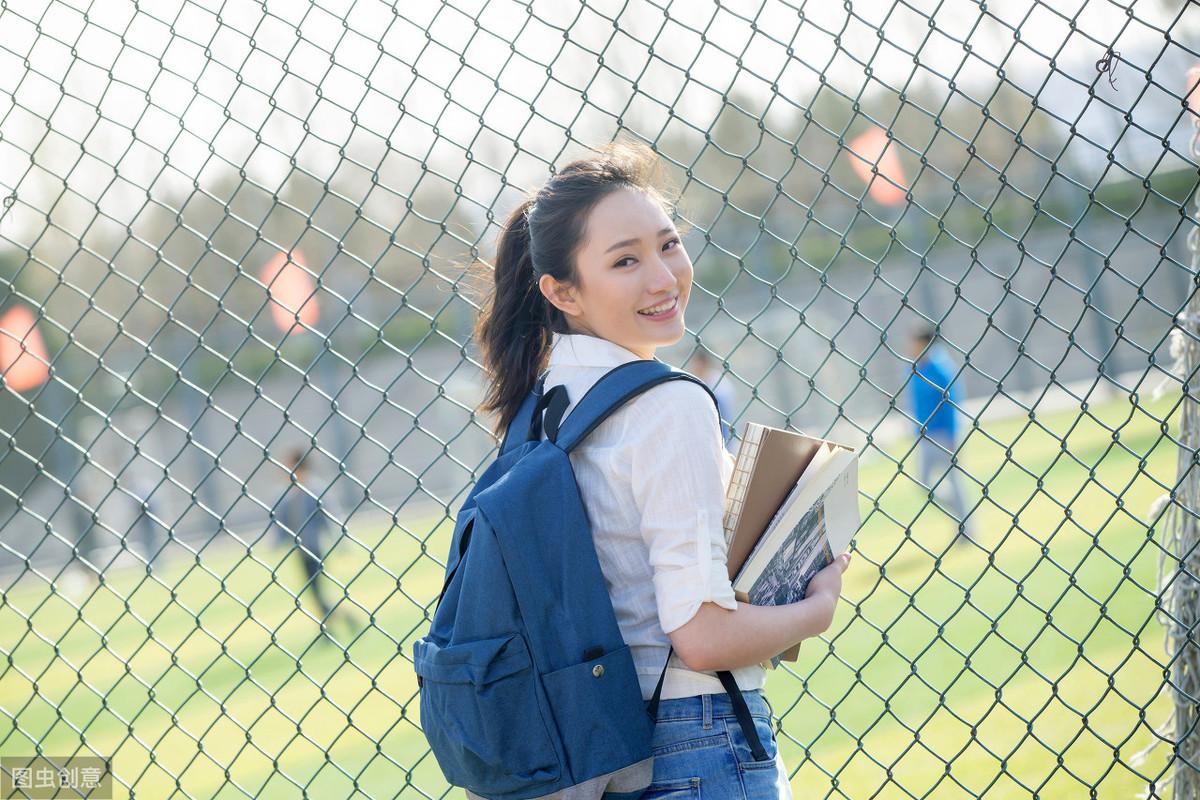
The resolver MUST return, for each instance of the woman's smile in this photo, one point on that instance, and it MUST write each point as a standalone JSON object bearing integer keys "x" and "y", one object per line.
{"x": 661, "y": 311}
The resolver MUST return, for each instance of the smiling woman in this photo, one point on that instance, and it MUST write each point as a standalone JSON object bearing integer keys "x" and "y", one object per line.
{"x": 591, "y": 278}
{"x": 592, "y": 249}
{"x": 630, "y": 291}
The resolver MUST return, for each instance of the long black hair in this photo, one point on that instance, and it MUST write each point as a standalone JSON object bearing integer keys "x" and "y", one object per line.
{"x": 541, "y": 237}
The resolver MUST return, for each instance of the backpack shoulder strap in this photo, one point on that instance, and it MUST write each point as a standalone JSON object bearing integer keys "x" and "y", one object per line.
{"x": 518, "y": 430}
{"x": 620, "y": 385}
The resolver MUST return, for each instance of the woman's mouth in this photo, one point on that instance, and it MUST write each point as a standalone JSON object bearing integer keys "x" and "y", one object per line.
{"x": 662, "y": 311}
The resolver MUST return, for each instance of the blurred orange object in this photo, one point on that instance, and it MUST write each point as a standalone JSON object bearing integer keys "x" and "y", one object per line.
{"x": 292, "y": 292}
{"x": 23, "y": 360}
{"x": 869, "y": 149}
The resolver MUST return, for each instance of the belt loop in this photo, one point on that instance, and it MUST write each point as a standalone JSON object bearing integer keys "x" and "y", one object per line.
{"x": 706, "y": 704}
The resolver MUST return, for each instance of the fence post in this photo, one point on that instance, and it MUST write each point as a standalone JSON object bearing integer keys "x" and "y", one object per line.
{"x": 1180, "y": 576}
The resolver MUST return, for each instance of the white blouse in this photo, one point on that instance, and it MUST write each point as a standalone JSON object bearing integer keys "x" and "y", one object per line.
{"x": 653, "y": 478}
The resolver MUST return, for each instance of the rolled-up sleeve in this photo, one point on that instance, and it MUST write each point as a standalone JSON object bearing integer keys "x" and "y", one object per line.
{"x": 677, "y": 458}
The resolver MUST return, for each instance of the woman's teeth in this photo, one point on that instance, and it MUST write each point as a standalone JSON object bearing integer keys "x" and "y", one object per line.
{"x": 658, "y": 309}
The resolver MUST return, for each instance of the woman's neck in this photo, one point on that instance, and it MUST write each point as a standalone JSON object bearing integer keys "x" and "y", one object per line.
{"x": 642, "y": 353}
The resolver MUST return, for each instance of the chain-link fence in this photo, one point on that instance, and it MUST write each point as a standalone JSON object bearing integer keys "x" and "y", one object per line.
{"x": 234, "y": 234}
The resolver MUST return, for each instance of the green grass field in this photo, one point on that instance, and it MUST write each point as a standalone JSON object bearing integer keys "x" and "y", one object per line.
{"x": 1031, "y": 665}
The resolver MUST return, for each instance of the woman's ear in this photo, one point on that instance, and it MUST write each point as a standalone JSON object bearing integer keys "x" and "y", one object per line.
{"x": 560, "y": 295}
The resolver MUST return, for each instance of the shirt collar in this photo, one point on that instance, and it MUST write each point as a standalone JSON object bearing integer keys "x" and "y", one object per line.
{"x": 582, "y": 350}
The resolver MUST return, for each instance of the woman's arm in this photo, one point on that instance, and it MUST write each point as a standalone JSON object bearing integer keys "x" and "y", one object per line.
{"x": 719, "y": 638}
{"x": 675, "y": 456}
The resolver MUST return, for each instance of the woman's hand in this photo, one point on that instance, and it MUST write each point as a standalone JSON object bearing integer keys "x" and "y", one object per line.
{"x": 826, "y": 588}
{"x": 718, "y": 638}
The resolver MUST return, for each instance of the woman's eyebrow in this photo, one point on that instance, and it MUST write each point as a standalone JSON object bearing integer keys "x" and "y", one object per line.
{"x": 628, "y": 242}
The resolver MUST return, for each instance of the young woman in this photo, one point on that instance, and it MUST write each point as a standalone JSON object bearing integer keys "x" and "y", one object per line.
{"x": 590, "y": 273}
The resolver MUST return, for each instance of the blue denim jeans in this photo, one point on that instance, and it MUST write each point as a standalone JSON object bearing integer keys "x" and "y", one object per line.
{"x": 701, "y": 753}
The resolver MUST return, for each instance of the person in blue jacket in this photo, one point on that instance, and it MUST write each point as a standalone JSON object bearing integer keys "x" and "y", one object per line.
{"x": 935, "y": 401}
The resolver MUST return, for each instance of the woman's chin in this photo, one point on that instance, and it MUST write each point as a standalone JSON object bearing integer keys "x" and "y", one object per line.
{"x": 669, "y": 334}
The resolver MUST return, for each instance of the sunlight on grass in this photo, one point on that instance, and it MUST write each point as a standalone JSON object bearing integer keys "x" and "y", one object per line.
{"x": 951, "y": 670}
{"x": 961, "y": 671}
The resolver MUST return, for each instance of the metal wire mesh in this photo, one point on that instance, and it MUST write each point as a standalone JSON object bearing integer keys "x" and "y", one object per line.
{"x": 234, "y": 234}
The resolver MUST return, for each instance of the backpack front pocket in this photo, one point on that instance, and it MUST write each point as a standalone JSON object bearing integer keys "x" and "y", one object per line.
{"x": 481, "y": 713}
{"x": 600, "y": 713}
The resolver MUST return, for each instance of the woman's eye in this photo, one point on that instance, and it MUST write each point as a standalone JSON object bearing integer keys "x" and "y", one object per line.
{"x": 621, "y": 263}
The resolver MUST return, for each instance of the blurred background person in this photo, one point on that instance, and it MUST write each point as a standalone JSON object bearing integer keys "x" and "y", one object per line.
{"x": 704, "y": 367}
{"x": 933, "y": 395}
{"x": 303, "y": 523}
{"x": 82, "y": 575}
{"x": 143, "y": 527}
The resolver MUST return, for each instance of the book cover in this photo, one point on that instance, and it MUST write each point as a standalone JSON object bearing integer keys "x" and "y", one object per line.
{"x": 768, "y": 464}
{"x": 813, "y": 524}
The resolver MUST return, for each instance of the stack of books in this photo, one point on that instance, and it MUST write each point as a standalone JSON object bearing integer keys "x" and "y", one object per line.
{"x": 792, "y": 507}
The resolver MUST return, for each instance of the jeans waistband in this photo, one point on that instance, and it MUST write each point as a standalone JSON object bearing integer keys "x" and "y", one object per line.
{"x": 707, "y": 706}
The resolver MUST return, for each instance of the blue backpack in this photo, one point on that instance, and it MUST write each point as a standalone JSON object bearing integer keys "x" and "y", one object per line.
{"x": 525, "y": 682}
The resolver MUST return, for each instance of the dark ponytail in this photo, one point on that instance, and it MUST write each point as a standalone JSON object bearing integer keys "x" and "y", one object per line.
{"x": 541, "y": 237}
{"x": 514, "y": 327}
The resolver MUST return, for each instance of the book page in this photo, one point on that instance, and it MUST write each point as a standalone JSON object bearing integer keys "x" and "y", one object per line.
{"x": 842, "y": 504}
{"x": 780, "y": 459}
{"x": 819, "y": 460}
{"x": 739, "y": 482}
{"x": 840, "y": 470}
{"x": 803, "y": 553}
{"x": 781, "y": 568}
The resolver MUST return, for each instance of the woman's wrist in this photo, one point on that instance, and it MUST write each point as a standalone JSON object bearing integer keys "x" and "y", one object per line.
{"x": 818, "y": 611}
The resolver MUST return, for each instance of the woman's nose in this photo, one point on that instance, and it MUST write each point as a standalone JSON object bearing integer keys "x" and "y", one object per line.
{"x": 662, "y": 277}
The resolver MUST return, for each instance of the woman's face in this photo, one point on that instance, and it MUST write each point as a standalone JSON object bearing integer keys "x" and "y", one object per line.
{"x": 633, "y": 276}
